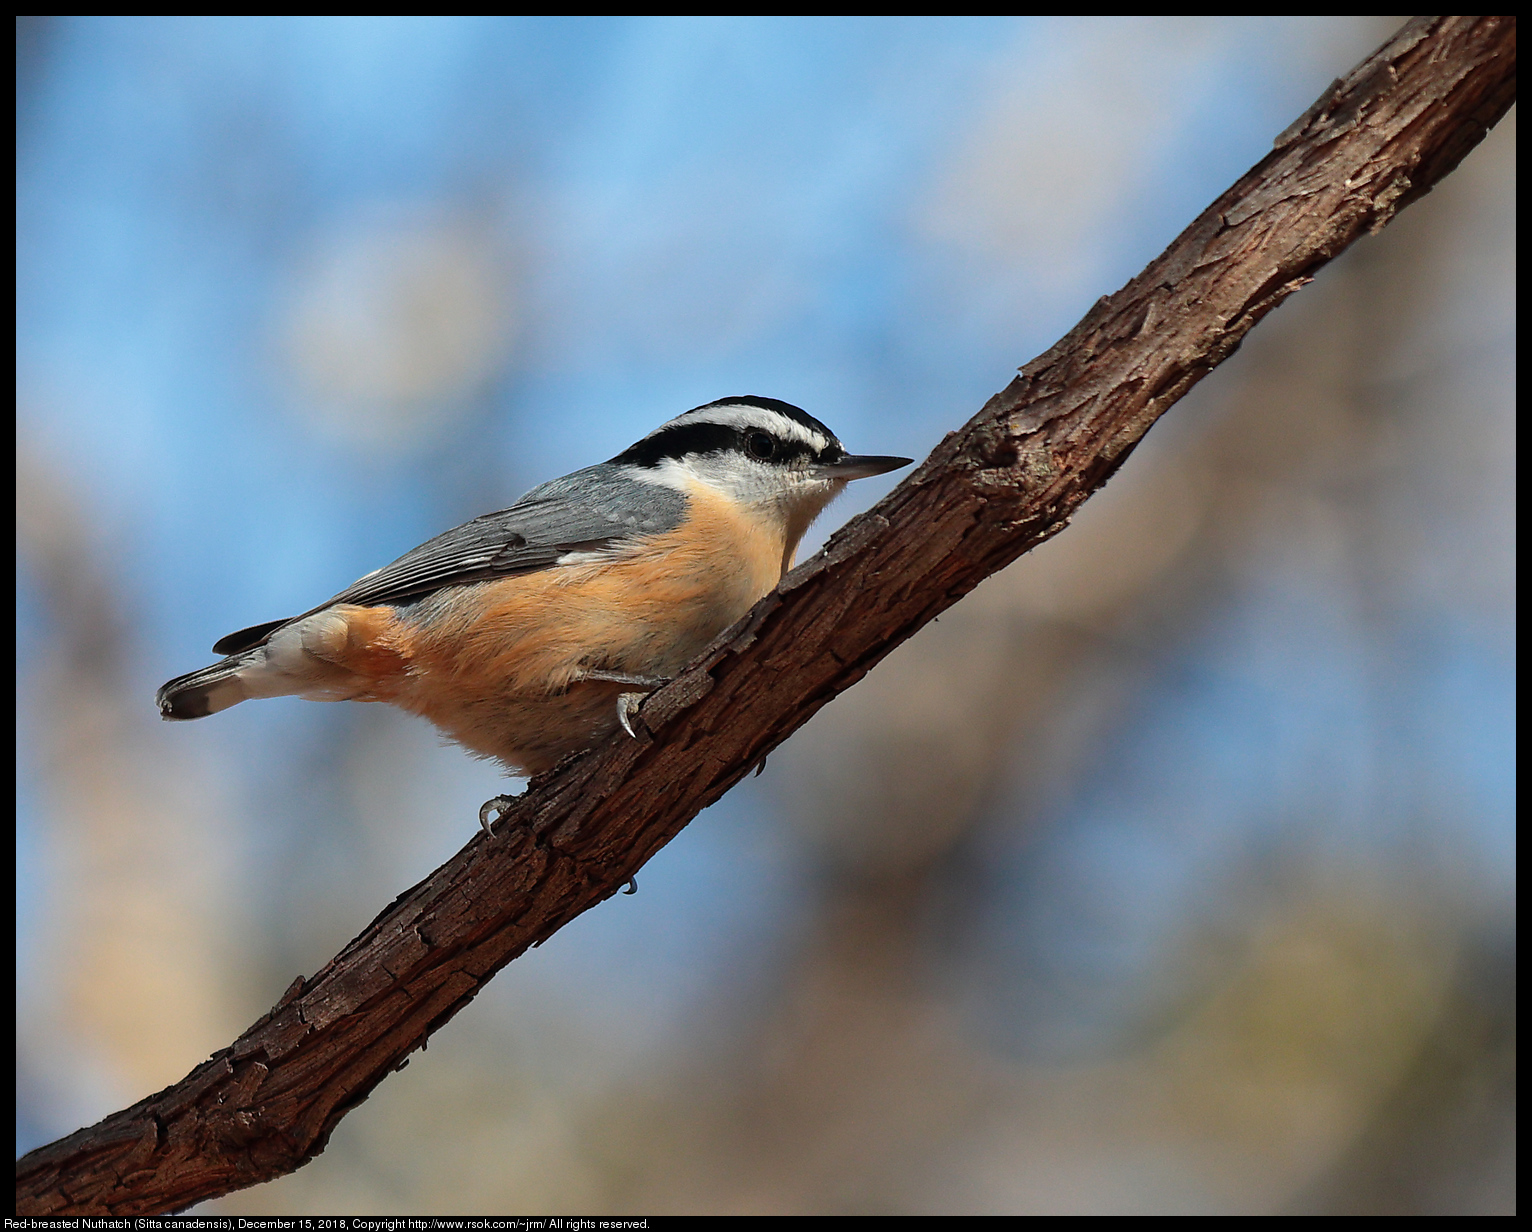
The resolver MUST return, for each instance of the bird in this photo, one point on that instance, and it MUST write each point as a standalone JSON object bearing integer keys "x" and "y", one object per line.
{"x": 534, "y": 632}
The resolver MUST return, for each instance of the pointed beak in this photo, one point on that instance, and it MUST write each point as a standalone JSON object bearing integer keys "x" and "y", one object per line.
{"x": 853, "y": 466}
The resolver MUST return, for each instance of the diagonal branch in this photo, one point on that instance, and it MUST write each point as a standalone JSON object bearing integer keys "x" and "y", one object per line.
{"x": 1374, "y": 141}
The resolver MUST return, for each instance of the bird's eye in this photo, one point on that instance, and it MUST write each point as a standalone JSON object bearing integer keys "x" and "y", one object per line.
{"x": 760, "y": 445}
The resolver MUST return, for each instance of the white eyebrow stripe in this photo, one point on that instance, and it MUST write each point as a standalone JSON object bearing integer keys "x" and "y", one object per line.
{"x": 741, "y": 417}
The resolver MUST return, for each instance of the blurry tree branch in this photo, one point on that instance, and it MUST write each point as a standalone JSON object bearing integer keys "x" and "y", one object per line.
{"x": 1374, "y": 141}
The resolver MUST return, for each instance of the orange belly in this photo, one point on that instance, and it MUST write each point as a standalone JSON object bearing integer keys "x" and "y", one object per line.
{"x": 494, "y": 664}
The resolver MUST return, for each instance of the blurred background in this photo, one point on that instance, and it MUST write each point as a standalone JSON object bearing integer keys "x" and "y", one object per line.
{"x": 1170, "y": 873}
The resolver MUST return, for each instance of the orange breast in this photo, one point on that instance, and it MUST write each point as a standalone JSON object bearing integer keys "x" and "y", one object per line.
{"x": 491, "y": 664}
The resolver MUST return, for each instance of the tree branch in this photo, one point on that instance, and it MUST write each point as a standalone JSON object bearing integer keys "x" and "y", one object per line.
{"x": 1374, "y": 141}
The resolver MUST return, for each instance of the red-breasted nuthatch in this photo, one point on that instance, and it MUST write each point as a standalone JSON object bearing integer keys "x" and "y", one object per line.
{"x": 527, "y": 634}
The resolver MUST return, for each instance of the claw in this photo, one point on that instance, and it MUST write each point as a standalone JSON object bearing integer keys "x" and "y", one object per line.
{"x": 627, "y": 707}
{"x": 500, "y": 804}
{"x": 632, "y": 887}
{"x": 627, "y": 703}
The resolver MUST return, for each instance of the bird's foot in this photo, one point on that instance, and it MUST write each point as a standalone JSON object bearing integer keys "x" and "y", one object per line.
{"x": 627, "y": 710}
{"x": 628, "y": 702}
{"x": 500, "y": 806}
{"x": 645, "y": 684}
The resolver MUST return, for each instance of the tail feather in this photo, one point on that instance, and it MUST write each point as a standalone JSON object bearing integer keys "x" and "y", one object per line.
{"x": 247, "y": 639}
{"x": 305, "y": 657}
{"x": 201, "y": 693}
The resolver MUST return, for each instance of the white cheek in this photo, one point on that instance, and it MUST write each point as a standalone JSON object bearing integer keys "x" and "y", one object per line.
{"x": 787, "y": 501}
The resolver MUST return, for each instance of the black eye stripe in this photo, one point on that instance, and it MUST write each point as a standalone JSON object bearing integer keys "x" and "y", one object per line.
{"x": 677, "y": 441}
{"x": 681, "y": 439}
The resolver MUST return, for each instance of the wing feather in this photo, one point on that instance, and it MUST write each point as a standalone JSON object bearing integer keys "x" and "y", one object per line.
{"x": 596, "y": 508}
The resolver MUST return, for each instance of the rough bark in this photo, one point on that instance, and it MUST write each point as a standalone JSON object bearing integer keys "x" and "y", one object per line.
{"x": 1012, "y": 477}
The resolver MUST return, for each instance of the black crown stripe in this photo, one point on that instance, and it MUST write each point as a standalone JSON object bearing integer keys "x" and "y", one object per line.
{"x": 796, "y": 413}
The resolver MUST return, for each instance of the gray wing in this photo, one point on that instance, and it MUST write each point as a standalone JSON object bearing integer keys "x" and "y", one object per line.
{"x": 589, "y": 510}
